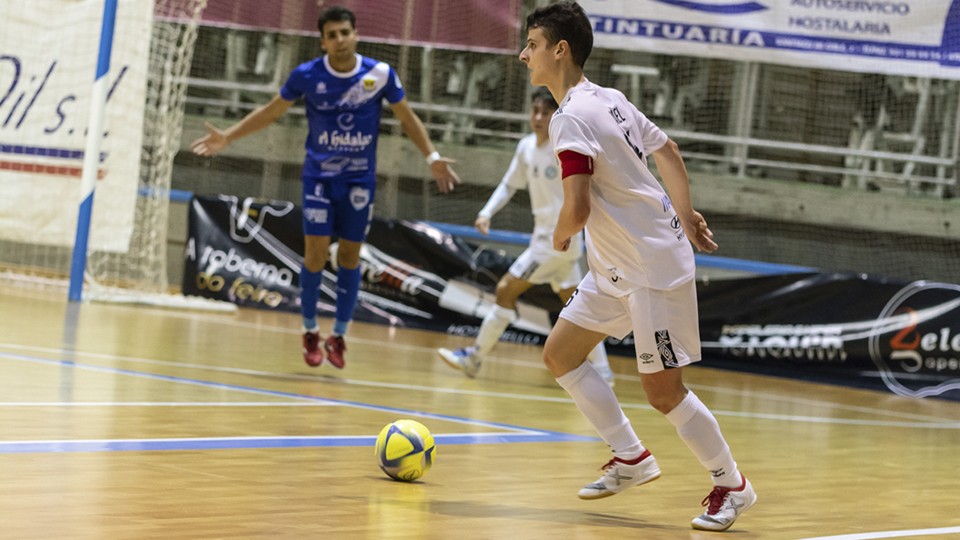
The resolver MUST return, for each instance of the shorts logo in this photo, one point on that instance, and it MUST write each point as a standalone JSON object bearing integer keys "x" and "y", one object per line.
{"x": 315, "y": 215}
{"x": 665, "y": 348}
{"x": 572, "y": 296}
{"x": 359, "y": 197}
{"x": 645, "y": 358}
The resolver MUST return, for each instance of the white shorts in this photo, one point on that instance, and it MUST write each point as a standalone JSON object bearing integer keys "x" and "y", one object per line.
{"x": 665, "y": 324}
{"x": 538, "y": 266}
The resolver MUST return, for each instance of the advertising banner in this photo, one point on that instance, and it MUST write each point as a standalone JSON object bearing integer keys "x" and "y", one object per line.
{"x": 491, "y": 25}
{"x": 841, "y": 328}
{"x": 846, "y": 328}
{"x": 249, "y": 252}
{"x": 896, "y": 37}
{"x": 47, "y": 68}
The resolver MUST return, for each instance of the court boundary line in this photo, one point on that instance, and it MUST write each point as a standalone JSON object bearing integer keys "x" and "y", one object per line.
{"x": 889, "y": 534}
{"x": 514, "y": 433}
{"x": 924, "y": 421}
{"x": 716, "y": 389}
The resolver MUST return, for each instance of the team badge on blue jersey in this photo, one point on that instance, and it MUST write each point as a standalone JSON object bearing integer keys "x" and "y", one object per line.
{"x": 359, "y": 197}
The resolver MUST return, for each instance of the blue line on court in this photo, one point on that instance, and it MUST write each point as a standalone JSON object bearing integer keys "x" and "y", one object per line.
{"x": 520, "y": 434}
{"x": 241, "y": 443}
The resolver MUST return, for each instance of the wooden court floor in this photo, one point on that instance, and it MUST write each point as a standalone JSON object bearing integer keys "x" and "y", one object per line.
{"x": 135, "y": 422}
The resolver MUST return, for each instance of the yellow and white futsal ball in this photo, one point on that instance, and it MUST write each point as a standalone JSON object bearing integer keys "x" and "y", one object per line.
{"x": 405, "y": 450}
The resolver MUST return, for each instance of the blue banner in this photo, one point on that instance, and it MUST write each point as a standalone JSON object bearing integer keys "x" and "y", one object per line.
{"x": 918, "y": 38}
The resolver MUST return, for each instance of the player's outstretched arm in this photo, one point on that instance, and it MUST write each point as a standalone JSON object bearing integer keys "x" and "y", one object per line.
{"x": 674, "y": 175}
{"x": 217, "y": 139}
{"x": 440, "y": 167}
{"x": 498, "y": 199}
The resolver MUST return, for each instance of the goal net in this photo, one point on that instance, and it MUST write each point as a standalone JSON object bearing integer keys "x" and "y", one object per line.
{"x": 792, "y": 158}
{"x": 47, "y": 65}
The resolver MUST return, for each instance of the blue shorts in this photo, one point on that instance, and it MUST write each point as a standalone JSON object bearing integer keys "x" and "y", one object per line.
{"x": 338, "y": 207}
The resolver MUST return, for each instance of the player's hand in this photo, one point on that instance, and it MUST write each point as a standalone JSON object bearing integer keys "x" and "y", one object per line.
{"x": 212, "y": 143}
{"x": 561, "y": 244}
{"x": 444, "y": 174}
{"x": 482, "y": 224}
{"x": 695, "y": 227}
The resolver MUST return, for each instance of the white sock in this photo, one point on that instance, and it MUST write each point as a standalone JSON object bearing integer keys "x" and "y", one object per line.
{"x": 599, "y": 404}
{"x": 598, "y": 356}
{"x": 698, "y": 428}
{"x": 493, "y": 326}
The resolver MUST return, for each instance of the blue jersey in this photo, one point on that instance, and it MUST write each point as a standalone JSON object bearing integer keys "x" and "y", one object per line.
{"x": 343, "y": 114}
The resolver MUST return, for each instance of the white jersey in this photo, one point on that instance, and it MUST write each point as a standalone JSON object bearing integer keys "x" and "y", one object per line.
{"x": 634, "y": 238}
{"x": 536, "y": 169}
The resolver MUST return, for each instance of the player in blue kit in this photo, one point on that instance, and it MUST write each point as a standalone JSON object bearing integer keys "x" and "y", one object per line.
{"x": 343, "y": 93}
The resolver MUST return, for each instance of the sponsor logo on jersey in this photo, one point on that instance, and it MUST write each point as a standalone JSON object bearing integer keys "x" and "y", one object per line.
{"x": 333, "y": 165}
{"x": 321, "y": 87}
{"x": 677, "y": 228}
{"x": 369, "y": 84}
{"x": 346, "y": 141}
{"x": 667, "y": 204}
{"x": 915, "y": 342}
{"x": 346, "y": 121}
{"x": 552, "y": 172}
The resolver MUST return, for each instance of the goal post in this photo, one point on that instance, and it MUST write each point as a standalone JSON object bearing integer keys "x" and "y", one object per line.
{"x": 45, "y": 92}
{"x": 88, "y": 176}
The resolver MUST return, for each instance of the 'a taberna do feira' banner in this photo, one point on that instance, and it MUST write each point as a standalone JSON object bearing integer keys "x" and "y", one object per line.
{"x": 919, "y": 38}
{"x": 48, "y": 60}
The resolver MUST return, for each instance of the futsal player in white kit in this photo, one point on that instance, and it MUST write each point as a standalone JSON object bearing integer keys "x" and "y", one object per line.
{"x": 641, "y": 276}
{"x": 534, "y": 166}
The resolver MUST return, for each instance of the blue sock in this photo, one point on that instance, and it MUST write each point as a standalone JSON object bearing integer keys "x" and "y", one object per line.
{"x": 348, "y": 286}
{"x": 309, "y": 294}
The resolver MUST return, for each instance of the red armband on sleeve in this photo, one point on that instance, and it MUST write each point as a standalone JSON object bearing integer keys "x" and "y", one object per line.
{"x": 572, "y": 163}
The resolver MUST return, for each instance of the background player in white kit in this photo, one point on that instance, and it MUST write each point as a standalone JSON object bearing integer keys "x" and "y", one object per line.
{"x": 534, "y": 166}
{"x": 641, "y": 275}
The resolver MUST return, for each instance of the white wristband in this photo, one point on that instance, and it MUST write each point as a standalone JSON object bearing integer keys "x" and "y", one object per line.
{"x": 433, "y": 157}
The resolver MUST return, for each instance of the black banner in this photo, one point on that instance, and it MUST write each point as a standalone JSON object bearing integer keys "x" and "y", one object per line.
{"x": 249, "y": 252}
{"x": 847, "y": 328}
{"x": 843, "y": 328}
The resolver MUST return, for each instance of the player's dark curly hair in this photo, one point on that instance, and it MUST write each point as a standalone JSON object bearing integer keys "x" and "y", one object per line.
{"x": 565, "y": 21}
{"x": 336, "y": 14}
